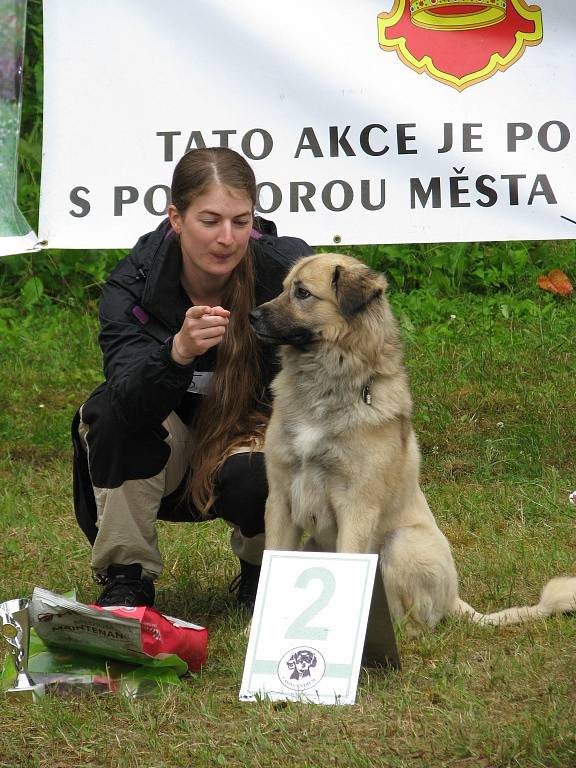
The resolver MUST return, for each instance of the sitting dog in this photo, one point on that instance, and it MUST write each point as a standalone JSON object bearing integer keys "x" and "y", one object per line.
{"x": 341, "y": 454}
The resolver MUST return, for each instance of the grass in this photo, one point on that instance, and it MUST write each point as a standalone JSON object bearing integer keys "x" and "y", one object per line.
{"x": 496, "y": 417}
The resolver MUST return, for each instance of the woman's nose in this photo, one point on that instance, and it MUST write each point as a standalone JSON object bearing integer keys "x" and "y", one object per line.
{"x": 225, "y": 233}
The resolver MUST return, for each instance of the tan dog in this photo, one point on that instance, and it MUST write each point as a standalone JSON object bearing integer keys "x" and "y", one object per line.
{"x": 341, "y": 455}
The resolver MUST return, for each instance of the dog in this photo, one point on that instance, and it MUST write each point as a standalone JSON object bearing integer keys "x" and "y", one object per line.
{"x": 342, "y": 458}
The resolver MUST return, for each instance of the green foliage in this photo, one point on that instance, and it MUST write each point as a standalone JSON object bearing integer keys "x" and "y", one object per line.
{"x": 482, "y": 268}
{"x": 31, "y": 292}
{"x": 60, "y": 276}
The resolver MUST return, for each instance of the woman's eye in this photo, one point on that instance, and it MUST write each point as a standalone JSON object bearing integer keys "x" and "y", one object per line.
{"x": 302, "y": 293}
{"x": 242, "y": 222}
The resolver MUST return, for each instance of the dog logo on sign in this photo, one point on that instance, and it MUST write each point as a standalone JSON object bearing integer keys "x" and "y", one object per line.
{"x": 460, "y": 42}
{"x": 301, "y": 668}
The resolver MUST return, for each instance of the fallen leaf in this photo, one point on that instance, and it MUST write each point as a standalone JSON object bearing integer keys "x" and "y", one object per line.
{"x": 556, "y": 282}
{"x": 545, "y": 283}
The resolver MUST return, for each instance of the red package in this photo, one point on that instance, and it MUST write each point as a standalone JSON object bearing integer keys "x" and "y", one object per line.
{"x": 163, "y": 635}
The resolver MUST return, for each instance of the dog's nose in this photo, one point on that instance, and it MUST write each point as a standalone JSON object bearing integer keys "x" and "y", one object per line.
{"x": 255, "y": 315}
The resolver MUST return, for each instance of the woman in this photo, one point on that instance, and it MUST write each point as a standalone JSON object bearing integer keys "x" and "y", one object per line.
{"x": 176, "y": 431}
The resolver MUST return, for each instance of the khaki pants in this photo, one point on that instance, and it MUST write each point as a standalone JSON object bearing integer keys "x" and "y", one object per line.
{"x": 127, "y": 514}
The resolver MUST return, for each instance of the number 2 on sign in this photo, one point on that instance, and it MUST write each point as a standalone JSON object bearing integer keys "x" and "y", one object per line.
{"x": 300, "y": 628}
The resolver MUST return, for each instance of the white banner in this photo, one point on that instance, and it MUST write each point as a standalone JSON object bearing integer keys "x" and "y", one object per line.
{"x": 366, "y": 121}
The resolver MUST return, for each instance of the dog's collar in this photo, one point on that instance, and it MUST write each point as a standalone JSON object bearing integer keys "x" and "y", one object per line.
{"x": 366, "y": 396}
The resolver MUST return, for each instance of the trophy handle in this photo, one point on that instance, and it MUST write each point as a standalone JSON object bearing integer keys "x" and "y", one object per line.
{"x": 12, "y": 634}
{"x": 15, "y": 630}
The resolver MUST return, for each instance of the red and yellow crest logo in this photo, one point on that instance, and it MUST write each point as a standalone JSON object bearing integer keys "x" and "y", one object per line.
{"x": 460, "y": 42}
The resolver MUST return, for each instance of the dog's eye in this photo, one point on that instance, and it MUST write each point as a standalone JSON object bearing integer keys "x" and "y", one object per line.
{"x": 301, "y": 293}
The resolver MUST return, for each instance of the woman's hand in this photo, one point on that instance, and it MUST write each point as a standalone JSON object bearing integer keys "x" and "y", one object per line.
{"x": 203, "y": 328}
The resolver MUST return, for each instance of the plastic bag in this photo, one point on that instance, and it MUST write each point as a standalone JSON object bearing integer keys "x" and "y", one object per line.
{"x": 142, "y": 635}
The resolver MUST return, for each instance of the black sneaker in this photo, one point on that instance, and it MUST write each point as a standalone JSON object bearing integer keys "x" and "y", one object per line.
{"x": 246, "y": 584}
{"x": 125, "y": 587}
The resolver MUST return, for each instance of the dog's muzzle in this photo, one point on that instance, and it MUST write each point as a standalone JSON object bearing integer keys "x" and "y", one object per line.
{"x": 267, "y": 330}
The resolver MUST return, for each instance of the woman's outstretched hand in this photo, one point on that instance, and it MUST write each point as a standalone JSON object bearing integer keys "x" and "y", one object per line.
{"x": 203, "y": 328}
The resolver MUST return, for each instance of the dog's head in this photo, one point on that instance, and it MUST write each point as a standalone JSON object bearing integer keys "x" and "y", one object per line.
{"x": 322, "y": 297}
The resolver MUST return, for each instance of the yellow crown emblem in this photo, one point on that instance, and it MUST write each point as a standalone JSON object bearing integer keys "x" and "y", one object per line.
{"x": 451, "y": 15}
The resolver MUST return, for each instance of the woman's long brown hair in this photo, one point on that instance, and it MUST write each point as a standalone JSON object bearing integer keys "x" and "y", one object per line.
{"x": 230, "y": 415}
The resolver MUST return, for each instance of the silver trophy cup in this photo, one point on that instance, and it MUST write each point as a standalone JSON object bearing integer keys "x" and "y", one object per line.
{"x": 15, "y": 631}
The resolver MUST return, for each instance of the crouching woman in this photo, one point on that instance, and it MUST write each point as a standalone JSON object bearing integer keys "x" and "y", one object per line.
{"x": 176, "y": 430}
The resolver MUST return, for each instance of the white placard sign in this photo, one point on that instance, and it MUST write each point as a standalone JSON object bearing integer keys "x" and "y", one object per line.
{"x": 309, "y": 626}
{"x": 371, "y": 121}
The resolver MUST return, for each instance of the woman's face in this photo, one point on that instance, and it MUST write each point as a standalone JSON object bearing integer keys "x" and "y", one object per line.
{"x": 214, "y": 231}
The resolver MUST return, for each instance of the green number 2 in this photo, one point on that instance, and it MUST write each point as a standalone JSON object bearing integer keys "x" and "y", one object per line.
{"x": 300, "y": 629}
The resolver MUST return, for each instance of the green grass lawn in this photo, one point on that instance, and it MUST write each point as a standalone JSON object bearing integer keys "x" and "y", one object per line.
{"x": 495, "y": 411}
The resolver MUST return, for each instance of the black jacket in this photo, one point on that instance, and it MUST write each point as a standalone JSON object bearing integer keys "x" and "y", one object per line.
{"x": 142, "y": 307}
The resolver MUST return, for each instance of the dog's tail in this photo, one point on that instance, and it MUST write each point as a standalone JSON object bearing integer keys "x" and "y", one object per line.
{"x": 558, "y": 596}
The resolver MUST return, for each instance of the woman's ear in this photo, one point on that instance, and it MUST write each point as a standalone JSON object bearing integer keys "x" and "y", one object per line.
{"x": 175, "y": 219}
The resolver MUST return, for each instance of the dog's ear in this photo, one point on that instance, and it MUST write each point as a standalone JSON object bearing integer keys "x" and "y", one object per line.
{"x": 355, "y": 289}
